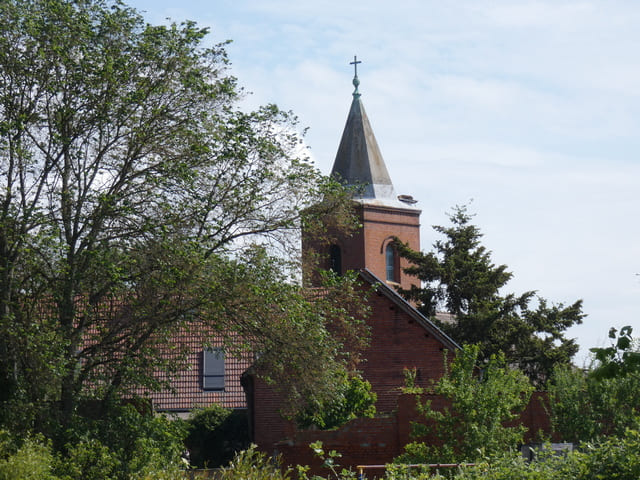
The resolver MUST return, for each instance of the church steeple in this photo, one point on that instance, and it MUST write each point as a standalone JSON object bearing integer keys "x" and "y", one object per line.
{"x": 382, "y": 215}
{"x": 359, "y": 161}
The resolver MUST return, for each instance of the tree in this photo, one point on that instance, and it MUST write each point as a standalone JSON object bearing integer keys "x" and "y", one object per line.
{"x": 483, "y": 398}
{"x": 459, "y": 277}
{"x": 352, "y": 398}
{"x": 602, "y": 400}
{"x": 133, "y": 194}
{"x": 620, "y": 359}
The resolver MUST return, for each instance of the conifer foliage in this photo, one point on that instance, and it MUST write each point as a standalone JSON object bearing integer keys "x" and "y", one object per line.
{"x": 460, "y": 278}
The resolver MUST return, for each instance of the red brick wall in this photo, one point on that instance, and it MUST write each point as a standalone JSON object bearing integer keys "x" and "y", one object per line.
{"x": 536, "y": 418}
{"x": 360, "y": 442}
{"x": 379, "y": 225}
{"x": 398, "y": 342}
{"x": 365, "y": 248}
{"x": 269, "y": 427}
{"x": 379, "y": 440}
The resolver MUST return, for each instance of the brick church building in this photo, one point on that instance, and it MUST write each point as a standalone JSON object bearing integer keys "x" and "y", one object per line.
{"x": 401, "y": 337}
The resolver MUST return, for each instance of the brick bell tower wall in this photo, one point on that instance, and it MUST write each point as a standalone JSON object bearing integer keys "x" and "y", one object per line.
{"x": 366, "y": 247}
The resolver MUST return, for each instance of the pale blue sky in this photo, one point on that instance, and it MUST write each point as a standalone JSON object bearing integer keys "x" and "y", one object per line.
{"x": 530, "y": 108}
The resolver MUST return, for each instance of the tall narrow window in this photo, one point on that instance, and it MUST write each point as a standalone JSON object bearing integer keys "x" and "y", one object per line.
{"x": 213, "y": 369}
{"x": 335, "y": 259}
{"x": 391, "y": 263}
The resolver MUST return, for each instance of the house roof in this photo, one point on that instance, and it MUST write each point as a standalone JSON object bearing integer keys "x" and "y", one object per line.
{"x": 384, "y": 289}
{"x": 186, "y": 388}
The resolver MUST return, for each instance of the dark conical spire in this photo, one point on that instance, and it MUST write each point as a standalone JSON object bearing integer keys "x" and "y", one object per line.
{"x": 359, "y": 161}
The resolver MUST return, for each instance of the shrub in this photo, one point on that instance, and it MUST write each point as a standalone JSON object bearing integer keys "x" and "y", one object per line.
{"x": 125, "y": 443}
{"x": 88, "y": 459}
{"x": 615, "y": 458}
{"x": 482, "y": 401}
{"x": 33, "y": 460}
{"x": 215, "y": 434}
{"x": 601, "y": 401}
{"x": 251, "y": 464}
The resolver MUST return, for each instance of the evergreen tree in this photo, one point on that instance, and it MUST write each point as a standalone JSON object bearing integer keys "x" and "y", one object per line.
{"x": 460, "y": 278}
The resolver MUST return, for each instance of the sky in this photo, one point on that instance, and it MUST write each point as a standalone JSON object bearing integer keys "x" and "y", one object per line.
{"x": 527, "y": 111}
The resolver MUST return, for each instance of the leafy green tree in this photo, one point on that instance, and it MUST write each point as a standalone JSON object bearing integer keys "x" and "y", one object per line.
{"x": 136, "y": 199}
{"x": 129, "y": 443}
{"x": 619, "y": 359}
{"x": 482, "y": 399}
{"x": 460, "y": 278}
{"x": 602, "y": 400}
{"x": 351, "y": 399}
{"x": 31, "y": 459}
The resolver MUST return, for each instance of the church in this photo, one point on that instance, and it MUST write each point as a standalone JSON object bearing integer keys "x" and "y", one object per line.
{"x": 401, "y": 337}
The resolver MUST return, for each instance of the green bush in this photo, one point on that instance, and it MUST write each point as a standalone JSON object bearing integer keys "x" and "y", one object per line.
{"x": 584, "y": 407}
{"x": 611, "y": 458}
{"x": 615, "y": 458}
{"x": 251, "y": 464}
{"x": 215, "y": 435}
{"x": 123, "y": 444}
{"x": 483, "y": 398}
{"x": 33, "y": 460}
{"x": 88, "y": 460}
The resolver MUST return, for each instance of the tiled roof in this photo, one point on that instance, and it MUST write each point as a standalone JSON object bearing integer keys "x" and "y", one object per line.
{"x": 186, "y": 388}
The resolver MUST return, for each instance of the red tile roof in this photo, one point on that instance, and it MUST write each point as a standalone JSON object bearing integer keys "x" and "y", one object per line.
{"x": 186, "y": 388}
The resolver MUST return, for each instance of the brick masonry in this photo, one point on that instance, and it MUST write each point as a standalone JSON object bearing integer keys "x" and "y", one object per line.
{"x": 379, "y": 440}
{"x": 398, "y": 341}
{"x": 400, "y": 338}
{"x": 365, "y": 248}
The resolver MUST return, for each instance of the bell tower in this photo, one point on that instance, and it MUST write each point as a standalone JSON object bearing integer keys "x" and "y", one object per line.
{"x": 382, "y": 214}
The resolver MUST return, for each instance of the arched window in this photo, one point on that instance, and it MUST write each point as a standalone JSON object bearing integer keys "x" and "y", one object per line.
{"x": 391, "y": 262}
{"x": 335, "y": 259}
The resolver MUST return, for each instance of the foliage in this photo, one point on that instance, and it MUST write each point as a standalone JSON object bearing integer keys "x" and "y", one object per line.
{"x": 252, "y": 464}
{"x": 619, "y": 359}
{"x": 511, "y": 466}
{"x": 410, "y": 381}
{"x": 32, "y": 460}
{"x": 571, "y": 406}
{"x": 137, "y": 199}
{"x": 330, "y": 462}
{"x": 459, "y": 277}
{"x": 124, "y": 444}
{"x": 601, "y": 401}
{"x": 406, "y": 472}
{"x": 216, "y": 434}
{"x": 481, "y": 401}
{"x": 88, "y": 459}
{"x": 352, "y": 399}
{"x": 612, "y": 458}
{"x": 309, "y": 340}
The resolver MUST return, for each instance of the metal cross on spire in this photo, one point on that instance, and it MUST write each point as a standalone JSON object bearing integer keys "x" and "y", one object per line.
{"x": 356, "y": 81}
